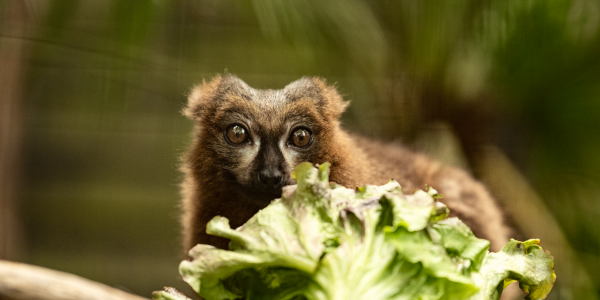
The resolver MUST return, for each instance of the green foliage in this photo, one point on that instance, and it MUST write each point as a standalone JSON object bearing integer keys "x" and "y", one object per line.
{"x": 389, "y": 246}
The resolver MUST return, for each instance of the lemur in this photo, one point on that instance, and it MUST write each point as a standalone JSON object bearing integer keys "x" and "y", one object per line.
{"x": 247, "y": 141}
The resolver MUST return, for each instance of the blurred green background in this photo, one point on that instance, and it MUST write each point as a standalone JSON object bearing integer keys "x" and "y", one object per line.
{"x": 91, "y": 130}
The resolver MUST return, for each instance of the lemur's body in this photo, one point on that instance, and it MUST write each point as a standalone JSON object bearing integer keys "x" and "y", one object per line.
{"x": 248, "y": 141}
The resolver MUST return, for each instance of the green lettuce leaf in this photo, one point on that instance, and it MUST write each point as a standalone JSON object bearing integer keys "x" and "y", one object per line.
{"x": 322, "y": 241}
{"x": 524, "y": 262}
{"x": 169, "y": 294}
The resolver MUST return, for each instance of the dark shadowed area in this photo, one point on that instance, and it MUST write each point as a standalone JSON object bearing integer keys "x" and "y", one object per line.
{"x": 91, "y": 130}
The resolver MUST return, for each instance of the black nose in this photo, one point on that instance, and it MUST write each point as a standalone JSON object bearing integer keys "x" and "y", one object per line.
{"x": 270, "y": 179}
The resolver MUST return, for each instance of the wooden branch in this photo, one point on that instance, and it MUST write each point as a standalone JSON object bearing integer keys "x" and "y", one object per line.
{"x": 22, "y": 281}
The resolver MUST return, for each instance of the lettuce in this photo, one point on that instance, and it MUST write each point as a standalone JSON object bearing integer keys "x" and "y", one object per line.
{"x": 322, "y": 241}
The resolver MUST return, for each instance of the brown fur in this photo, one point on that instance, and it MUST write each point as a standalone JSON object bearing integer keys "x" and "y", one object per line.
{"x": 217, "y": 174}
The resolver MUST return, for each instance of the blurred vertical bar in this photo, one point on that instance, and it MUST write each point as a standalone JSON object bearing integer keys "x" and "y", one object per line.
{"x": 534, "y": 219}
{"x": 13, "y": 25}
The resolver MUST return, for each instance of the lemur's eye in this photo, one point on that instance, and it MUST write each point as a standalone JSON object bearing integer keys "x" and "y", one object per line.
{"x": 301, "y": 137}
{"x": 236, "y": 134}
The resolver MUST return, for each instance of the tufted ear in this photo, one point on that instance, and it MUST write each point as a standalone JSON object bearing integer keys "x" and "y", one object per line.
{"x": 333, "y": 102}
{"x": 199, "y": 100}
{"x": 326, "y": 97}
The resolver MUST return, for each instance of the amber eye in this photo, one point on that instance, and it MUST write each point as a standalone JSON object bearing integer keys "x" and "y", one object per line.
{"x": 301, "y": 137}
{"x": 236, "y": 134}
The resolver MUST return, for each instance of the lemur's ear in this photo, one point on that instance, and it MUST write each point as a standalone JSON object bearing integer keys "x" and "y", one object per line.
{"x": 199, "y": 100}
{"x": 325, "y": 96}
{"x": 333, "y": 102}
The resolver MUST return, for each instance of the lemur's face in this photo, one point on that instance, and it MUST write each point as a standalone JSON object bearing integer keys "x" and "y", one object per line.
{"x": 259, "y": 136}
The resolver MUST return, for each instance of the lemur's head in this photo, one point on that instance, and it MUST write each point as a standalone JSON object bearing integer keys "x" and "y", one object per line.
{"x": 254, "y": 138}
